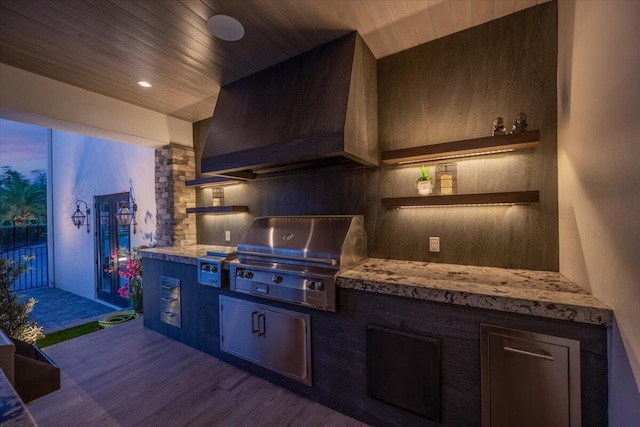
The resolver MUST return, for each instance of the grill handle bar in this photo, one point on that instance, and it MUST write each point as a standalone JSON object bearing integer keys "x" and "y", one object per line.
{"x": 330, "y": 261}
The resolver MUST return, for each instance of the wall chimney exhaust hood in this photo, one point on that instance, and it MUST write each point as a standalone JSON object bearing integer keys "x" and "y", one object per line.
{"x": 316, "y": 109}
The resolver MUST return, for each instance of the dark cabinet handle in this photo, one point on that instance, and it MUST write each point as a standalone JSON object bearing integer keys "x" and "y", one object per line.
{"x": 254, "y": 329}
{"x": 261, "y": 325}
{"x": 528, "y": 353}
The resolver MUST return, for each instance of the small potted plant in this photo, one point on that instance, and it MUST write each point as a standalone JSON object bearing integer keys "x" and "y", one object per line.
{"x": 424, "y": 184}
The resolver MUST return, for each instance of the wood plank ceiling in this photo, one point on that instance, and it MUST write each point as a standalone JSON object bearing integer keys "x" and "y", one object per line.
{"x": 106, "y": 46}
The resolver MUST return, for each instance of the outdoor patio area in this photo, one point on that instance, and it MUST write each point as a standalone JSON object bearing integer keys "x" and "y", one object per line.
{"x": 127, "y": 375}
{"x": 57, "y": 309}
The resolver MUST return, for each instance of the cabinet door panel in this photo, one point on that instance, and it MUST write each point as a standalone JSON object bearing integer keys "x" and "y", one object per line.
{"x": 238, "y": 328}
{"x": 529, "y": 383}
{"x": 529, "y": 379}
{"x": 284, "y": 344}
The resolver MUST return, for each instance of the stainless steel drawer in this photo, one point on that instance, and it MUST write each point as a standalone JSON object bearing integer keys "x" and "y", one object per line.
{"x": 170, "y": 301}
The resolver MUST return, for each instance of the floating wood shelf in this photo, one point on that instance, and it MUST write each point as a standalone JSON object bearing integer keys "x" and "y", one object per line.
{"x": 479, "y": 199}
{"x": 218, "y": 209}
{"x": 465, "y": 148}
{"x": 212, "y": 181}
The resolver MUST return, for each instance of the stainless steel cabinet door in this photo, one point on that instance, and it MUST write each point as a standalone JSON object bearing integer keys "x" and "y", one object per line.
{"x": 529, "y": 379}
{"x": 284, "y": 345}
{"x": 271, "y": 337}
{"x": 239, "y": 328}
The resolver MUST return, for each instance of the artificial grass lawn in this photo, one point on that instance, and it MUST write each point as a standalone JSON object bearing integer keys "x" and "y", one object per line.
{"x": 67, "y": 334}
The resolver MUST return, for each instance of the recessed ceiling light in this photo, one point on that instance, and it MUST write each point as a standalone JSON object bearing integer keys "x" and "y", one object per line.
{"x": 225, "y": 27}
{"x": 144, "y": 84}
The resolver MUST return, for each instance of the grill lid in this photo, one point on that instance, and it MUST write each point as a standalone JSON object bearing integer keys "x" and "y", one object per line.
{"x": 330, "y": 241}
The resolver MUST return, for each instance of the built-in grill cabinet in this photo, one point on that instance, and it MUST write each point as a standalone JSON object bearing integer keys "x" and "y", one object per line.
{"x": 270, "y": 337}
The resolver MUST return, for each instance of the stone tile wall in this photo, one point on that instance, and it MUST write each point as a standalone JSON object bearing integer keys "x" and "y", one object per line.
{"x": 175, "y": 164}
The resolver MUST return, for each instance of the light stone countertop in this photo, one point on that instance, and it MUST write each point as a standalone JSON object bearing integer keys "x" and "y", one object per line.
{"x": 184, "y": 255}
{"x": 538, "y": 293}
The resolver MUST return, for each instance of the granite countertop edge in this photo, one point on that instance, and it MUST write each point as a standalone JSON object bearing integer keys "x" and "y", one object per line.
{"x": 183, "y": 254}
{"x": 538, "y": 293}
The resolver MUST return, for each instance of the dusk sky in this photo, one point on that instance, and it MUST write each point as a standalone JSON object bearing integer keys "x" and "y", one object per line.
{"x": 23, "y": 147}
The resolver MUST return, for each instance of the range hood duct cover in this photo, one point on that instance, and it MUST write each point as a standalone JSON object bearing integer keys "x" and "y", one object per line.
{"x": 317, "y": 108}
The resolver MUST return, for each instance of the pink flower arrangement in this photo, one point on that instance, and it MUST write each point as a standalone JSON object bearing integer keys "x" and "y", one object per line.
{"x": 130, "y": 269}
{"x": 124, "y": 291}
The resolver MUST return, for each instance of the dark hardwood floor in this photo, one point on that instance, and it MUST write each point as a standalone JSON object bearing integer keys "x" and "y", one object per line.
{"x": 131, "y": 376}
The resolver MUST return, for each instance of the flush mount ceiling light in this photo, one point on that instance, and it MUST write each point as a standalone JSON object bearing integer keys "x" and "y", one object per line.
{"x": 225, "y": 27}
{"x": 144, "y": 83}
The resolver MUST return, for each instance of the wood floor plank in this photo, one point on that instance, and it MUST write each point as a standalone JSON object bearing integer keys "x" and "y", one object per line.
{"x": 131, "y": 376}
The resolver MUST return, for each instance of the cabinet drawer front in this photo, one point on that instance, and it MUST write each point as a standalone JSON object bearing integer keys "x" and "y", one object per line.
{"x": 170, "y": 301}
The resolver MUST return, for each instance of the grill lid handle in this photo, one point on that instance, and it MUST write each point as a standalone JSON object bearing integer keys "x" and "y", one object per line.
{"x": 330, "y": 261}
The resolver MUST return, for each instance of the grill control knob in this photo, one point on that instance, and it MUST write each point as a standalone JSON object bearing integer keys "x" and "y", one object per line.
{"x": 240, "y": 273}
{"x": 205, "y": 267}
{"x": 276, "y": 279}
{"x": 248, "y": 275}
{"x": 309, "y": 284}
{"x": 320, "y": 285}
{"x": 214, "y": 268}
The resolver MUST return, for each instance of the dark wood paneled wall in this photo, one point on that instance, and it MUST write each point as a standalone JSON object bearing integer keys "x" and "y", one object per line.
{"x": 445, "y": 90}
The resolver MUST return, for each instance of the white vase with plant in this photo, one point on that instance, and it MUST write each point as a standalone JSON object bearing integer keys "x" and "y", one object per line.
{"x": 424, "y": 183}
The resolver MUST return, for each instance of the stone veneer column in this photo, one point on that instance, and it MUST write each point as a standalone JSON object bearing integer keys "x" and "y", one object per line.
{"x": 175, "y": 164}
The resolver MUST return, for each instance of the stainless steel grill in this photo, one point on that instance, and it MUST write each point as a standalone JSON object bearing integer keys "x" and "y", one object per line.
{"x": 295, "y": 259}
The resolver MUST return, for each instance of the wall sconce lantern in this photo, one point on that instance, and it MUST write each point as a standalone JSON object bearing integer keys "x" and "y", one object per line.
{"x": 126, "y": 213}
{"x": 79, "y": 217}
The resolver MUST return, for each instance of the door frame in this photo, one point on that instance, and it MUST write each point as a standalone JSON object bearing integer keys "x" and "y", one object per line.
{"x": 113, "y": 200}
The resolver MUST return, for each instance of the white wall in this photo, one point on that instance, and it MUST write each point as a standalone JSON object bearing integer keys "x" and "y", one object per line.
{"x": 85, "y": 167}
{"x": 30, "y": 98}
{"x": 599, "y": 174}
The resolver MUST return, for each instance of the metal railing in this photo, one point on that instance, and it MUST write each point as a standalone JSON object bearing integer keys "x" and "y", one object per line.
{"x": 16, "y": 243}
{"x": 14, "y": 237}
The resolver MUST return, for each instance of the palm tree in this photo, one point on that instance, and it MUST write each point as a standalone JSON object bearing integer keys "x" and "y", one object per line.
{"x": 22, "y": 202}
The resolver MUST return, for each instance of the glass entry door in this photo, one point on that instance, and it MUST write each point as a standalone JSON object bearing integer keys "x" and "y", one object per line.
{"x": 110, "y": 236}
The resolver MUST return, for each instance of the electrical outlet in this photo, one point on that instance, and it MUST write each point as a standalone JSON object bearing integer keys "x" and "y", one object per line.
{"x": 434, "y": 244}
{"x": 227, "y": 236}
